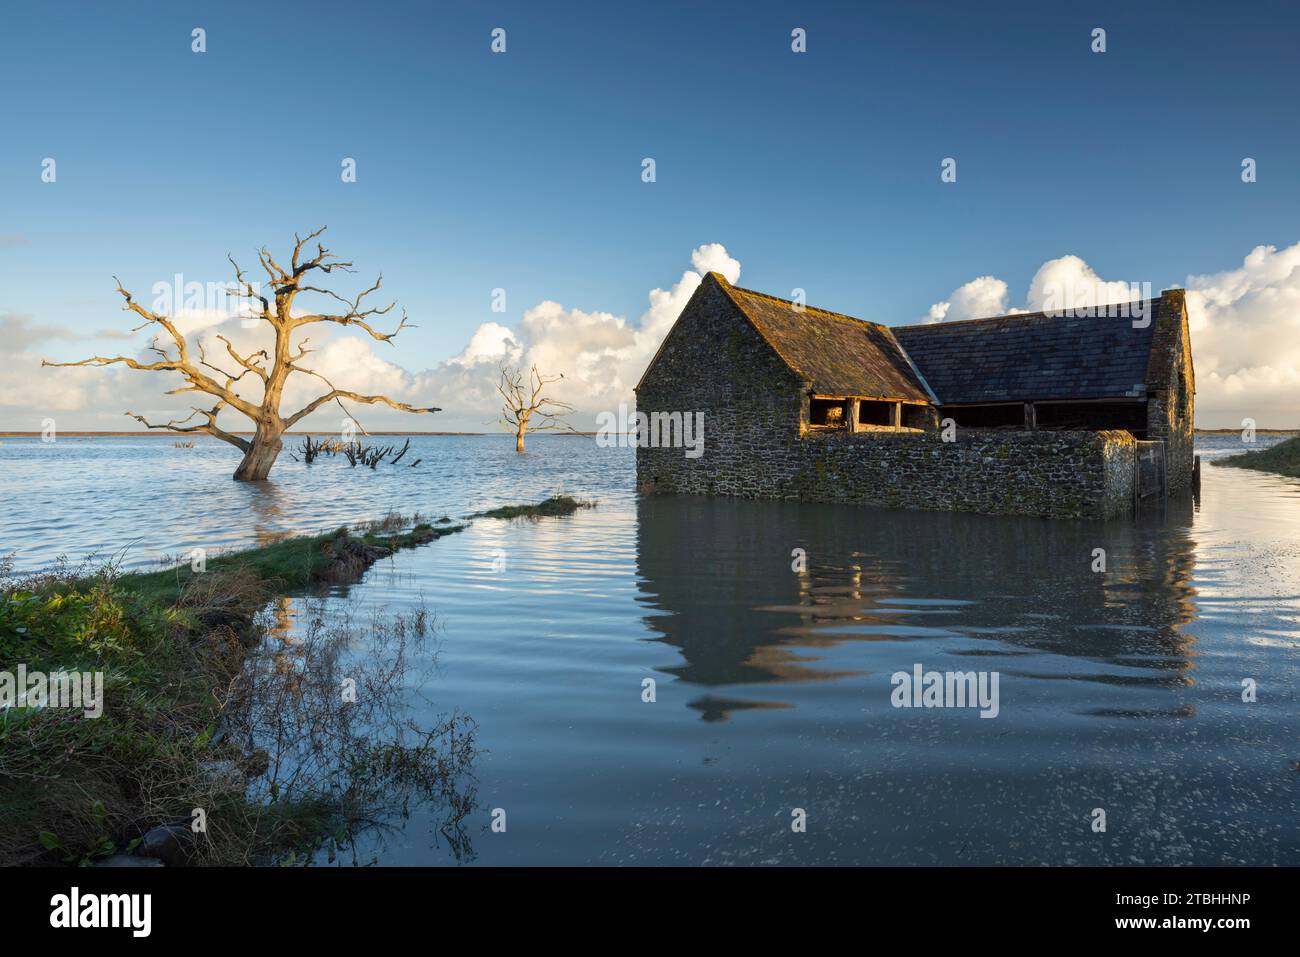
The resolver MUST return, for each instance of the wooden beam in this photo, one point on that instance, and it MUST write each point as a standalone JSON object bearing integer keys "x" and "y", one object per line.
{"x": 1129, "y": 400}
{"x": 896, "y": 415}
{"x": 881, "y": 398}
{"x": 1031, "y": 416}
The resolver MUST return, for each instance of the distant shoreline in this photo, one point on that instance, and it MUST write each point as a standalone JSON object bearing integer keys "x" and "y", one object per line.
{"x": 194, "y": 435}
{"x": 1239, "y": 431}
{"x": 181, "y": 435}
{"x": 197, "y": 435}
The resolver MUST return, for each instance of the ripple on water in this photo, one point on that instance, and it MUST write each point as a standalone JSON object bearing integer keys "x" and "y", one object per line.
{"x": 771, "y": 688}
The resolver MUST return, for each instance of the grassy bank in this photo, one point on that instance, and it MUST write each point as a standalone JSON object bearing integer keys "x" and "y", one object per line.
{"x": 293, "y": 564}
{"x": 556, "y": 506}
{"x": 75, "y": 788}
{"x": 189, "y": 685}
{"x": 1281, "y": 459}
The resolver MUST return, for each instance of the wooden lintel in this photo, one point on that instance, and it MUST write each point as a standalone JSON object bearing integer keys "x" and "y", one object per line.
{"x": 868, "y": 398}
{"x": 1131, "y": 400}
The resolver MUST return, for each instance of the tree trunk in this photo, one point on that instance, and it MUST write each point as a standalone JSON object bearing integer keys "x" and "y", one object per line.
{"x": 259, "y": 458}
{"x": 519, "y": 438}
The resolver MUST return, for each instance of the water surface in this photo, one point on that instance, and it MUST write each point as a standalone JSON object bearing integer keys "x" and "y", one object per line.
{"x": 1119, "y": 690}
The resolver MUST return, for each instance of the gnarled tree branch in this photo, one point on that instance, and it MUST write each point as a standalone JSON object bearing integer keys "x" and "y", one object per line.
{"x": 209, "y": 427}
{"x": 271, "y": 366}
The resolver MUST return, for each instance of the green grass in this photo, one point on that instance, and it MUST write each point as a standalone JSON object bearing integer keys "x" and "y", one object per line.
{"x": 168, "y": 644}
{"x": 1281, "y": 459}
{"x": 288, "y": 566}
{"x": 553, "y": 507}
{"x": 66, "y": 782}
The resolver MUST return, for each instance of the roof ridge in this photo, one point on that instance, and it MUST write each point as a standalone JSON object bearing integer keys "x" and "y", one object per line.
{"x": 1040, "y": 314}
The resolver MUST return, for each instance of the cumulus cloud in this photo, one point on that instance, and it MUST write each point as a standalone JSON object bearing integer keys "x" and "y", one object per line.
{"x": 1069, "y": 283}
{"x": 985, "y": 296}
{"x": 491, "y": 342}
{"x": 1059, "y": 285}
{"x": 1245, "y": 325}
{"x": 23, "y": 388}
{"x": 600, "y": 354}
{"x": 713, "y": 257}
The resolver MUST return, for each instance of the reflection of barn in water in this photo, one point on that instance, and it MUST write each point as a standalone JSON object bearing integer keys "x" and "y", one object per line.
{"x": 726, "y": 592}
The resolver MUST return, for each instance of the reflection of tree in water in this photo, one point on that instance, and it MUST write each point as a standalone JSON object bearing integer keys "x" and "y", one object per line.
{"x": 268, "y": 503}
{"x": 326, "y": 706}
{"x": 724, "y": 589}
{"x": 280, "y": 640}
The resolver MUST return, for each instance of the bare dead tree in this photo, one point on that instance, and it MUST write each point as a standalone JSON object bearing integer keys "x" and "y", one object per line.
{"x": 311, "y": 450}
{"x": 372, "y": 455}
{"x": 525, "y": 404}
{"x": 269, "y": 424}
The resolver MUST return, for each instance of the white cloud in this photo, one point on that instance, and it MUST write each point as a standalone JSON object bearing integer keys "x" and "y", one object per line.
{"x": 712, "y": 257}
{"x": 1245, "y": 326}
{"x": 985, "y": 296}
{"x": 29, "y": 393}
{"x": 491, "y": 342}
{"x": 190, "y": 321}
{"x": 600, "y": 354}
{"x": 1069, "y": 283}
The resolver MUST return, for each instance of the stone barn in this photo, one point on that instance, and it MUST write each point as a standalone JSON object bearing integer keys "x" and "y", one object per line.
{"x": 1057, "y": 415}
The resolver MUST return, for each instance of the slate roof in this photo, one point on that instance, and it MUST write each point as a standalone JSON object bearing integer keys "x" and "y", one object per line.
{"x": 837, "y": 355}
{"x": 1033, "y": 357}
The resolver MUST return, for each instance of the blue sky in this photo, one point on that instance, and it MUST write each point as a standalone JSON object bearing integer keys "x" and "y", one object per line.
{"x": 522, "y": 170}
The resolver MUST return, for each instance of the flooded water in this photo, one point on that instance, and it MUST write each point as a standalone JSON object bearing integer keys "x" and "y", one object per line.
{"x": 772, "y": 633}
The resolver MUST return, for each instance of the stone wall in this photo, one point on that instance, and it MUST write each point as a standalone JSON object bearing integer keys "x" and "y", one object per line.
{"x": 713, "y": 360}
{"x": 1120, "y": 467}
{"x": 1171, "y": 404}
{"x": 1053, "y": 474}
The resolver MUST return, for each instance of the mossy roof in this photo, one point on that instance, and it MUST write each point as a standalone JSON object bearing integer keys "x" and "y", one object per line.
{"x": 835, "y": 354}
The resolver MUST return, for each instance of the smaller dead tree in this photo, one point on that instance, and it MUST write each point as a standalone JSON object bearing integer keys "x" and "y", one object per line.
{"x": 526, "y": 407}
